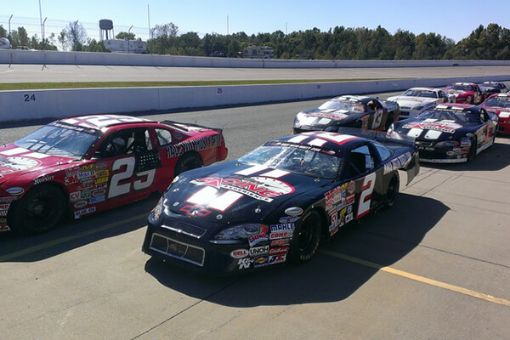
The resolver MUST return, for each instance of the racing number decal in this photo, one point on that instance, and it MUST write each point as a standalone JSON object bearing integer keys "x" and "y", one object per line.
{"x": 117, "y": 189}
{"x": 377, "y": 118}
{"x": 366, "y": 195}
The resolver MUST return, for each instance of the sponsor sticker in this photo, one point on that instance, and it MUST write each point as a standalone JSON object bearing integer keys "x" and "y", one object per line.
{"x": 239, "y": 253}
{"x": 82, "y": 212}
{"x": 282, "y": 227}
{"x": 80, "y": 204}
{"x": 256, "y": 251}
{"x": 244, "y": 263}
{"x": 288, "y": 219}
{"x": 281, "y": 234}
{"x": 257, "y": 239}
{"x": 75, "y": 196}
{"x": 280, "y": 242}
{"x": 279, "y": 250}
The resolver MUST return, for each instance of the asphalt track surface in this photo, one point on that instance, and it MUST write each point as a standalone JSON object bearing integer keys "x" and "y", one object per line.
{"x": 86, "y": 73}
{"x": 436, "y": 266}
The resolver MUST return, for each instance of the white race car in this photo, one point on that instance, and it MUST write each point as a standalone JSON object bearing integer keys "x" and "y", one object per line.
{"x": 418, "y": 99}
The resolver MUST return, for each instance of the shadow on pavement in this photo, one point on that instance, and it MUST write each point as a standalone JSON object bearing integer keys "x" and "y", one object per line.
{"x": 14, "y": 248}
{"x": 383, "y": 238}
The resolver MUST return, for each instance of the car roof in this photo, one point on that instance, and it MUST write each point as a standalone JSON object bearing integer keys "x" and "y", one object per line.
{"x": 353, "y": 98}
{"x": 464, "y": 84}
{"x": 99, "y": 122}
{"x": 325, "y": 141}
{"x": 424, "y": 89}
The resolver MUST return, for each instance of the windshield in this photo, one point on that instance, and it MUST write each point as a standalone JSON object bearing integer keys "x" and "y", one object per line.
{"x": 58, "y": 141}
{"x": 453, "y": 116}
{"x": 420, "y": 93}
{"x": 295, "y": 159}
{"x": 464, "y": 87}
{"x": 498, "y": 102}
{"x": 348, "y": 106}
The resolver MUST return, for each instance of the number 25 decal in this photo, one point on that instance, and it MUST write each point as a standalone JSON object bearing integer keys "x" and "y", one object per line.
{"x": 366, "y": 195}
{"x": 117, "y": 189}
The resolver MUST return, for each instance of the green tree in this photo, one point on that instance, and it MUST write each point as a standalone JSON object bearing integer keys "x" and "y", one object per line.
{"x": 125, "y": 36}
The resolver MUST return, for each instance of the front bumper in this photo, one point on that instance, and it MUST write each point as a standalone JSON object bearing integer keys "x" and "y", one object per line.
{"x": 196, "y": 254}
{"x": 428, "y": 152}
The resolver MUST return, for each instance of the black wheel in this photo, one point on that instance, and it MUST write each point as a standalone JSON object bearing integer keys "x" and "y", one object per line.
{"x": 187, "y": 162}
{"x": 41, "y": 209}
{"x": 308, "y": 238}
{"x": 472, "y": 149}
{"x": 392, "y": 192}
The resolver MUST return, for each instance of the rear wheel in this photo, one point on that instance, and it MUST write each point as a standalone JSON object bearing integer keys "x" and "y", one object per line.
{"x": 187, "y": 162}
{"x": 308, "y": 238}
{"x": 392, "y": 192}
{"x": 41, "y": 209}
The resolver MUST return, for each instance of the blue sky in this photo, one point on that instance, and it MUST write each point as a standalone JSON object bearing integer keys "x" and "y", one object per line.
{"x": 452, "y": 19}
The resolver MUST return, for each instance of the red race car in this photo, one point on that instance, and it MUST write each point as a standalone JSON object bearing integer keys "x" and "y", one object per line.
{"x": 466, "y": 93}
{"x": 84, "y": 165}
{"x": 500, "y": 105}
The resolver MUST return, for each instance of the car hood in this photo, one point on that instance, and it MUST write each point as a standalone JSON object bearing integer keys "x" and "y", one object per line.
{"x": 460, "y": 92}
{"x": 411, "y": 102}
{"x": 16, "y": 162}
{"x": 429, "y": 129}
{"x": 230, "y": 196}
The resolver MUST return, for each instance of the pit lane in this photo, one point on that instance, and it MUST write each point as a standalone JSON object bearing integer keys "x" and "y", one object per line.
{"x": 89, "y": 279}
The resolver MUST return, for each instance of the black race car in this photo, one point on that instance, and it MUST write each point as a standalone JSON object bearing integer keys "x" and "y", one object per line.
{"x": 348, "y": 111}
{"x": 276, "y": 203}
{"x": 451, "y": 133}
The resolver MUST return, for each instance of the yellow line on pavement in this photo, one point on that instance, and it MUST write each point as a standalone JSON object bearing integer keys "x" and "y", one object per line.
{"x": 59, "y": 241}
{"x": 419, "y": 278}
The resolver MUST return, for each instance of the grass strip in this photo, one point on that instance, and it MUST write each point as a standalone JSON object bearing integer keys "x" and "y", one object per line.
{"x": 74, "y": 85}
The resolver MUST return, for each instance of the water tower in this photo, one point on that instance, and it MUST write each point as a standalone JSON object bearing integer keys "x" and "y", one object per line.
{"x": 106, "y": 29}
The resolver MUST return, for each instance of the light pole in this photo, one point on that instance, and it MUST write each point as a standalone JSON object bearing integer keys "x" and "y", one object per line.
{"x": 10, "y": 24}
{"x": 127, "y": 37}
{"x": 43, "y": 32}
{"x": 40, "y": 19}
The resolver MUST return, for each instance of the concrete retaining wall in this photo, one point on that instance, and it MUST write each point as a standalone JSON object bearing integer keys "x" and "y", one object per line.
{"x": 44, "y": 104}
{"x": 122, "y": 59}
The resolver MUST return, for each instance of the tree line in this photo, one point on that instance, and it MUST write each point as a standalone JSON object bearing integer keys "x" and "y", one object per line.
{"x": 490, "y": 42}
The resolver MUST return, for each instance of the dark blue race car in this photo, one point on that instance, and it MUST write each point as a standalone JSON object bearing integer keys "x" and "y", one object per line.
{"x": 453, "y": 133}
{"x": 276, "y": 203}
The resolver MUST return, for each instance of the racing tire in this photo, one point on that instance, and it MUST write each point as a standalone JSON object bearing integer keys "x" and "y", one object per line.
{"x": 307, "y": 239}
{"x": 392, "y": 192}
{"x": 187, "y": 162}
{"x": 41, "y": 209}
{"x": 472, "y": 149}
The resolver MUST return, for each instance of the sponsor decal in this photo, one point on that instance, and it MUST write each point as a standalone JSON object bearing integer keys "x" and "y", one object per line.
{"x": 239, "y": 253}
{"x": 279, "y": 250}
{"x": 43, "y": 179}
{"x": 260, "y": 261}
{"x": 15, "y": 190}
{"x": 12, "y": 164}
{"x": 80, "y": 204}
{"x": 3, "y": 213}
{"x": 340, "y": 218}
{"x": 280, "y": 258}
{"x": 82, "y": 212}
{"x": 3, "y": 225}
{"x": 442, "y": 126}
{"x": 244, "y": 263}
{"x": 337, "y": 115}
{"x": 260, "y": 188}
{"x": 257, "y": 239}
{"x": 85, "y": 174}
{"x": 97, "y": 199}
{"x": 263, "y": 250}
{"x": 4, "y": 206}
{"x": 351, "y": 187}
{"x": 281, "y": 234}
{"x": 282, "y": 227}
{"x": 294, "y": 211}
{"x": 193, "y": 145}
{"x": 288, "y": 219}
{"x": 280, "y": 242}
{"x": 398, "y": 163}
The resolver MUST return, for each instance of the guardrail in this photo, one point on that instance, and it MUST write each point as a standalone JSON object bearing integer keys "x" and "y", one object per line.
{"x": 123, "y": 59}
{"x": 45, "y": 104}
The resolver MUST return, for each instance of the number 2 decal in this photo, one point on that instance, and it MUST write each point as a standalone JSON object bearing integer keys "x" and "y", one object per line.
{"x": 117, "y": 189}
{"x": 366, "y": 195}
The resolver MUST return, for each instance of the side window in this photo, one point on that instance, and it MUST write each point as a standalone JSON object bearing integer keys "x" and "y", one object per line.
{"x": 384, "y": 153}
{"x": 164, "y": 137}
{"x": 361, "y": 161}
{"x": 125, "y": 142}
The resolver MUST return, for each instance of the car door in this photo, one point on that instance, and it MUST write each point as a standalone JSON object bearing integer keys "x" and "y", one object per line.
{"x": 168, "y": 153}
{"x": 378, "y": 115}
{"x": 485, "y": 135}
{"x": 130, "y": 162}
{"x": 363, "y": 167}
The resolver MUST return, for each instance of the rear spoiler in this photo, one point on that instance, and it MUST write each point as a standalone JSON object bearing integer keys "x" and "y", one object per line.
{"x": 383, "y": 137}
{"x": 187, "y": 126}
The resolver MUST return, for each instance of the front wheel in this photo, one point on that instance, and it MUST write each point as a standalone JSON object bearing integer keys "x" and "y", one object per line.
{"x": 307, "y": 239}
{"x": 41, "y": 209}
{"x": 472, "y": 149}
